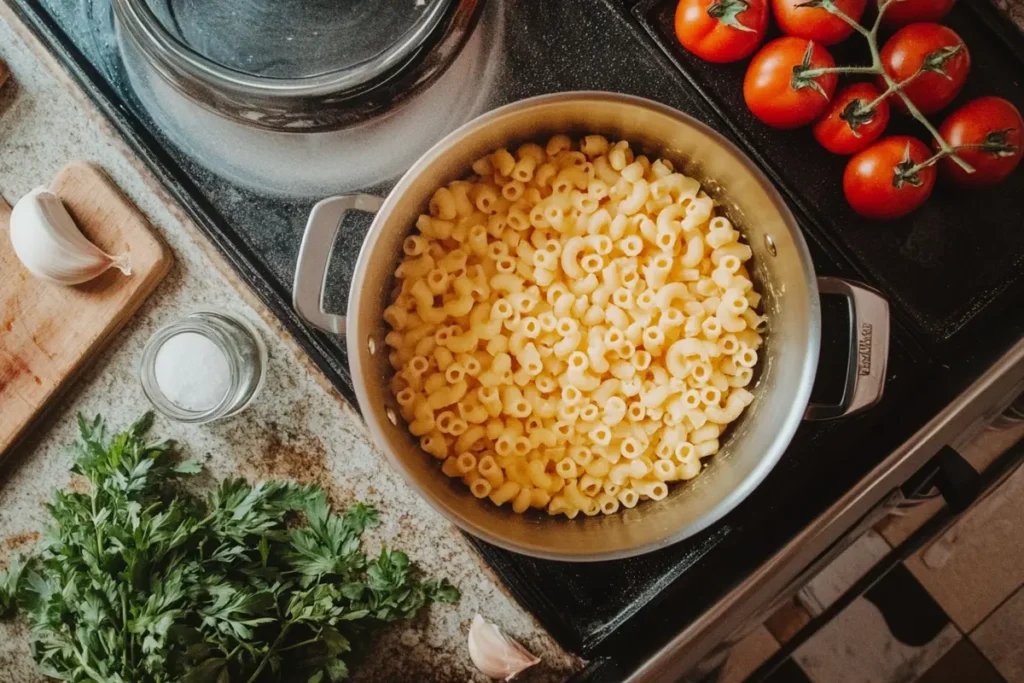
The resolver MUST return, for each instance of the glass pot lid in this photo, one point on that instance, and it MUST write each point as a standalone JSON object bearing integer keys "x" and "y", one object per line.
{"x": 297, "y": 64}
{"x": 352, "y": 40}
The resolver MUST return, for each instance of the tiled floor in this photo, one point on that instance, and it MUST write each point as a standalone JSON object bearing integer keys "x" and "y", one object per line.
{"x": 834, "y": 580}
{"x": 868, "y": 642}
{"x": 952, "y": 613}
{"x": 962, "y": 664}
{"x": 1001, "y": 637}
{"x": 747, "y": 655}
{"x": 979, "y": 562}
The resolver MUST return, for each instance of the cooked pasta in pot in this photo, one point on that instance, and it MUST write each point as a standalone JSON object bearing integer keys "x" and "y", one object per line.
{"x": 573, "y": 327}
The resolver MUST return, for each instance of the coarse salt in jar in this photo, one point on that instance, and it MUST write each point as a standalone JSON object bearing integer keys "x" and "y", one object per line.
{"x": 205, "y": 366}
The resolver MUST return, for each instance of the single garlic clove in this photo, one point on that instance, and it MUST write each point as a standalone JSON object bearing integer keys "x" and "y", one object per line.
{"x": 50, "y": 245}
{"x": 495, "y": 654}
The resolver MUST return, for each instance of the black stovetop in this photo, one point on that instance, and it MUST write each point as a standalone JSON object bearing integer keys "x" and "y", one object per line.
{"x": 952, "y": 272}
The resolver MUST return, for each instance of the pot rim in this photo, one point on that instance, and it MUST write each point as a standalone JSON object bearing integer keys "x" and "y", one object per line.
{"x": 786, "y": 429}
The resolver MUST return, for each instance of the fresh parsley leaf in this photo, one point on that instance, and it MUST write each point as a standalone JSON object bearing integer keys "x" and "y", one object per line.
{"x": 188, "y": 467}
{"x": 9, "y": 580}
{"x": 441, "y": 591}
{"x": 141, "y": 581}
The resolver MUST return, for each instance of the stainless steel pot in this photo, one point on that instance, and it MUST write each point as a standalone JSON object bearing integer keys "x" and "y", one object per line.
{"x": 782, "y": 272}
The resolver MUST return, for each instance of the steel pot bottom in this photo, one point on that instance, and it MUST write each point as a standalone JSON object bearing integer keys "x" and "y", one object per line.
{"x": 782, "y": 272}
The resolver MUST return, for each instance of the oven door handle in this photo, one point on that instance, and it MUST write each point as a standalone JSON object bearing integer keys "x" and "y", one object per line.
{"x": 957, "y": 481}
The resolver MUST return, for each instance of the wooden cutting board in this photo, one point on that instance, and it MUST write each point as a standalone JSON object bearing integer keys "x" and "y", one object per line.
{"x": 49, "y": 332}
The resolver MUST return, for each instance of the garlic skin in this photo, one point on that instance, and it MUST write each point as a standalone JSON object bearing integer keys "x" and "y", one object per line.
{"x": 495, "y": 654}
{"x": 50, "y": 245}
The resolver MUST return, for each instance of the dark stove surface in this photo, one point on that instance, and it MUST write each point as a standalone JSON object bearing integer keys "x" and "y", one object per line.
{"x": 953, "y": 275}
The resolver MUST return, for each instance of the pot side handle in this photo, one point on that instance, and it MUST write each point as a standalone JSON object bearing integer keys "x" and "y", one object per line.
{"x": 869, "y": 349}
{"x": 315, "y": 255}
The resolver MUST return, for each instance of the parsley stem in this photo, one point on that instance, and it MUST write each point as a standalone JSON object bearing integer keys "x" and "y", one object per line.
{"x": 99, "y": 533}
{"x": 271, "y": 650}
{"x": 129, "y": 643}
{"x": 300, "y": 644}
{"x": 91, "y": 672}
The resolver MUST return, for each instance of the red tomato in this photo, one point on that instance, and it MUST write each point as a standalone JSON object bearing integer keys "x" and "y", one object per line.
{"x": 990, "y": 132}
{"x": 935, "y": 57}
{"x": 777, "y": 94}
{"x": 721, "y": 30}
{"x": 875, "y": 181}
{"x": 816, "y": 23}
{"x": 849, "y": 126}
{"x": 903, "y": 12}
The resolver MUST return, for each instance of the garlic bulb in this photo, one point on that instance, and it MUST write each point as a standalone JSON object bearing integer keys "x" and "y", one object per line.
{"x": 50, "y": 245}
{"x": 494, "y": 653}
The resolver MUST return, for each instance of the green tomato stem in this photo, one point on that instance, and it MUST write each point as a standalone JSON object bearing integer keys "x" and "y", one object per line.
{"x": 893, "y": 86}
{"x": 928, "y": 162}
{"x": 882, "y": 6}
{"x": 943, "y": 145}
{"x": 834, "y": 9}
{"x": 881, "y": 98}
{"x": 814, "y": 73}
{"x": 896, "y": 87}
{"x": 983, "y": 146}
{"x": 942, "y": 154}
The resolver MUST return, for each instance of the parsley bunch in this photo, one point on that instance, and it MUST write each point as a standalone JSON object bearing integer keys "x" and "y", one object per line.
{"x": 139, "y": 581}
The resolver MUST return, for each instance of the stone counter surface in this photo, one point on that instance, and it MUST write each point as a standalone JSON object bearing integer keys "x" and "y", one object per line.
{"x": 297, "y": 429}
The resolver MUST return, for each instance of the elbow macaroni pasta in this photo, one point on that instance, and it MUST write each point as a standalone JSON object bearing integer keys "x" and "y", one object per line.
{"x": 573, "y": 328}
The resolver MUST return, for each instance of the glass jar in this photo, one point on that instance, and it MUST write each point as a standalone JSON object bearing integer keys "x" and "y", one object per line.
{"x": 205, "y": 366}
{"x": 309, "y": 97}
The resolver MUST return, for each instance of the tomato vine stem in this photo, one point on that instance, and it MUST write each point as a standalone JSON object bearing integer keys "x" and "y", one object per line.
{"x": 727, "y": 12}
{"x": 933, "y": 159}
{"x": 995, "y": 144}
{"x": 891, "y": 90}
{"x": 891, "y": 85}
{"x": 848, "y": 19}
{"x": 814, "y": 73}
{"x": 882, "y": 7}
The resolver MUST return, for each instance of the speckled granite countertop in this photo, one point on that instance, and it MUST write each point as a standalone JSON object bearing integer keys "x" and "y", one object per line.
{"x": 297, "y": 429}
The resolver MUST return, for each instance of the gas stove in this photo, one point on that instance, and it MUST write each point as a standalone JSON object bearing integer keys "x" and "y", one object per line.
{"x": 953, "y": 272}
